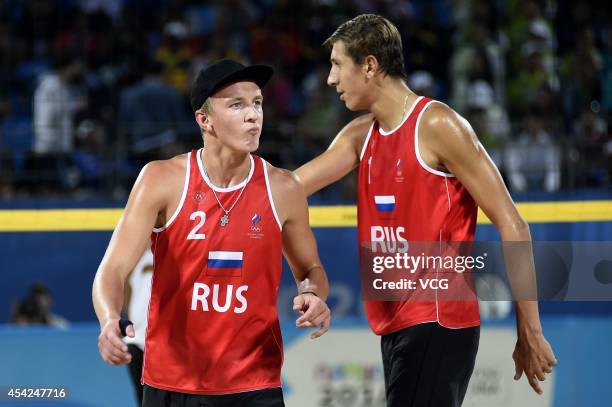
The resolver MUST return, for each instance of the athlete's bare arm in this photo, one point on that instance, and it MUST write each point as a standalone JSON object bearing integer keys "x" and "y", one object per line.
{"x": 447, "y": 142}
{"x": 339, "y": 159}
{"x": 300, "y": 250}
{"x": 155, "y": 194}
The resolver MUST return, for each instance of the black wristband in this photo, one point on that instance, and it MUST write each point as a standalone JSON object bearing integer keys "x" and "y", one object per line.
{"x": 309, "y": 292}
{"x": 123, "y": 324}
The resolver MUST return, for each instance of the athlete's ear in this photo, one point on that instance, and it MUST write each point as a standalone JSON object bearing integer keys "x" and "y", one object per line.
{"x": 200, "y": 117}
{"x": 203, "y": 120}
{"x": 370, "y": 65}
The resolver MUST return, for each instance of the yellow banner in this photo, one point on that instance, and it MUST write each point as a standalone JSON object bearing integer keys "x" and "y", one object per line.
{"x": 44, "y": 220}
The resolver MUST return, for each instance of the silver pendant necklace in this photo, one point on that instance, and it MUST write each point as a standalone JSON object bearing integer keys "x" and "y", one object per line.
{"x": 224, "y": 220}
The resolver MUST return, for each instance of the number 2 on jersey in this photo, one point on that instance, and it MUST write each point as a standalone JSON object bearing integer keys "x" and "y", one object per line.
{"x": 194, "y": 235}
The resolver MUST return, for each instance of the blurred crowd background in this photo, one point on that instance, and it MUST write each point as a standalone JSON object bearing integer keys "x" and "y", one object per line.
{"x": 90, "y": 90}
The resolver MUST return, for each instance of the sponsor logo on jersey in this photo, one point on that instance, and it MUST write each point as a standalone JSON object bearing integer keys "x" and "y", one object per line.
{"x": 385, "y": 203}
{"x": 222, "y": 263}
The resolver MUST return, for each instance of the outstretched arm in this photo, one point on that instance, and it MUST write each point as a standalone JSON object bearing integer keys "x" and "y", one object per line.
{"x": 339, "y": 159}
{"x": 300, "y": 250}
{"x": 449, "y": 142}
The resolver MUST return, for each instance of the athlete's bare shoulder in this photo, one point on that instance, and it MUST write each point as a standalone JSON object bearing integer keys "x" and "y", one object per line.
{"x": 360, "y": 125}
{"x": 441, "y": 123}
{"x": 287, "y": 192}
{"x": 355, "y": 132}
{"x": 444, "y": 133}
{"x": 164, "y": 172}
{"x": 283, "y": 180}
{"x": 162, "y": 180}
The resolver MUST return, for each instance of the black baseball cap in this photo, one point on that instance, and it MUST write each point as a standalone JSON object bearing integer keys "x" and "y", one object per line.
{"x": 223, "y": 72}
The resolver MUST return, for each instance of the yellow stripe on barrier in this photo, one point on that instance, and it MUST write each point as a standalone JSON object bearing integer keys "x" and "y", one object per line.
{"x": 48, "y": 220}
{"x": 549, "y": 212}
{"x": 45, "y": 220}
{"x": 333, "y": 216}
{"x": 533, "y": 212}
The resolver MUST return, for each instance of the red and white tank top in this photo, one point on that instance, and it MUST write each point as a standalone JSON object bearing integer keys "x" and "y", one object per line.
{"x": 400, "y": 198}
{"x": 213, "y": 325}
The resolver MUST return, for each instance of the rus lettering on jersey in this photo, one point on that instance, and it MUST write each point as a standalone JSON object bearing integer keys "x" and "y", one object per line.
{"x": 201, "y": 294}
{"x": 388, "y": 239}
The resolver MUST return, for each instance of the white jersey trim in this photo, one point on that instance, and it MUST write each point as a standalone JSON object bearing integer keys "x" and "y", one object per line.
{"x": 265, "y": 168}
{"x": 416, "y": 146}
{"x": 228, "y": 189}
{"x": 447, "y": 194}
{"x": 182, "y": 201}
{"x": 367, "y": 140}
{"x": 388, "y": 133}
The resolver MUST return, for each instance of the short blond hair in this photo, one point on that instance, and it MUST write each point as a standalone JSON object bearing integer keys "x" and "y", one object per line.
{"x": 206, "y": 106}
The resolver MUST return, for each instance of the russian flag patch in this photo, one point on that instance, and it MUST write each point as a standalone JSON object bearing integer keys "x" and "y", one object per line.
{"x": 385, "y": 203}
{"x": 228, "y": 264}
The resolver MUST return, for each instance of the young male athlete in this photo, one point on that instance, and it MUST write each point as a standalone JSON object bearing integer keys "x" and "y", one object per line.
{"x": 422, "y": 175}
{"x": 219, "y": 219}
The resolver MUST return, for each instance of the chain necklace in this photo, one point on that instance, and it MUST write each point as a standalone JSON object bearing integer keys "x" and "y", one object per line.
{"x": 225, "y": 218}
{"x": 405, "y": 106}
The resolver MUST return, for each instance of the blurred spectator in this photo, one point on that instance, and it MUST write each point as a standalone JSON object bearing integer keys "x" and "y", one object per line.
{"x": 422, "y": 83}
{"x": 540, "y": 38}
{"x": 214, "y": 49}
{"x": 489, "y": 119}
{"x": 524, "y": 86}
{"x": 594, "y": 143}
{"x": 55, "y": 104}
{"x": 550, "y": 59}
{"x": 200, "y": 18}
{"x": 151, "y": 114}
{"x": 425, "y": 35}
{"x": 527, "y": 25}
{"x": 606, "y": 71}
{"x": 482, "y": 12}
{"x": 607, "y": 152}
{"x": 20, "y": 314}
{"x": 38, "y": 22}
{"x": 110, "y": 7}
{"x": 478, "y": 57}
{"x": 35, "y": 308}
{"x": 318, "y": 123}
{"x": 581, "y": 70}
{"x": 533, "y": 161}
{"x": 570, "y": 18}
{"x": 591, "y": 127}
{"x": 174, "y": 56}
{"x": 546, "y": 107}
{"x": 89, "y": 157}
{"x": 279, "y": 95}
